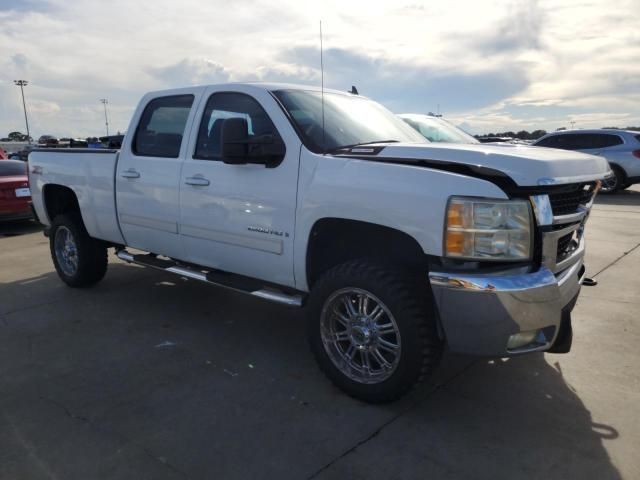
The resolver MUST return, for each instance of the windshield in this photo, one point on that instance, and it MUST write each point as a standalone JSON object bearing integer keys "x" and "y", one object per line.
{"x": 10, "y": 168}
{"x": 348, "y": 120}
{"x": 437, "y": 129}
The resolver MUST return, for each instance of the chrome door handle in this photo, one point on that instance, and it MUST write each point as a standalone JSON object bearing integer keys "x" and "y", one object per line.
{"x": 131, "y": 173}
{"x": 197, "y": 181}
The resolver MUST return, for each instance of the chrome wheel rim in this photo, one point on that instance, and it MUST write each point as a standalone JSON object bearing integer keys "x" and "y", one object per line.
{"x": 360, "y": 335}
{"x": 66, "y": 251}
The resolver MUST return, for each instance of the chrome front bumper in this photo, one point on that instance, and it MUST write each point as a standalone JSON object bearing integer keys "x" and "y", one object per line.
{"x": 480, "y": 313}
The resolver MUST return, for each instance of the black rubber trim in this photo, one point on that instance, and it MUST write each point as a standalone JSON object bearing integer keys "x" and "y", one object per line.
{"x": 564, "y": 339}
{"x": 75, "y": 150}
{"x": 496, "y": 177}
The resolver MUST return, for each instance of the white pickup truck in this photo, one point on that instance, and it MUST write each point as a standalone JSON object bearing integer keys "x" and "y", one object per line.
{"x": 395, "y": 246}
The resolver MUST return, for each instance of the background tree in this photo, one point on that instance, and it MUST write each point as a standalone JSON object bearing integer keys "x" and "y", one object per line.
{"x": 17, "y": 137}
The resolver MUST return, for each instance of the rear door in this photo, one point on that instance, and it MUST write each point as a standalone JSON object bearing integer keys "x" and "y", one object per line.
{"x": 148, "y": 173}
{"x": 240, "y": 218}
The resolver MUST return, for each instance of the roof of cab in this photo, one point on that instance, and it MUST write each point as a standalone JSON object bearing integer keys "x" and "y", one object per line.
{"x": 270, "y": 86}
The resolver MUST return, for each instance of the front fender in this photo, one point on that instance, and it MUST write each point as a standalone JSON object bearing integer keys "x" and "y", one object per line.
{"x": 411, "y": 199}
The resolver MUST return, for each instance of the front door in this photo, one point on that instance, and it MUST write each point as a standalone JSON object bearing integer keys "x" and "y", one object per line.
{"x": 148, "y": 176}
{"x": 240, "y": 218}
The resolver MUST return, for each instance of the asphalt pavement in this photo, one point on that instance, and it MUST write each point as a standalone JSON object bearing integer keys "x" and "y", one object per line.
{"x": 149, "y": 376}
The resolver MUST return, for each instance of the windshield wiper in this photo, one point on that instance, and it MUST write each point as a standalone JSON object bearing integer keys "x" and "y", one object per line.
{"x": 345, "y": 147}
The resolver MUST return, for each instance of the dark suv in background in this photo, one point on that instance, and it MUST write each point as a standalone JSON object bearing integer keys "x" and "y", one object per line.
{"x": 621, "y": 148}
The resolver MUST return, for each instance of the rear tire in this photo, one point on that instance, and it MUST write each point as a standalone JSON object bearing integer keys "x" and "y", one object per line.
{"x": 80, "y": 260}
{"x": 372, "y": 330}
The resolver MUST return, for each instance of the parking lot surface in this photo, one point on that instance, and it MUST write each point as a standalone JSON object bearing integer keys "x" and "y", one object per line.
{"x": 149, "y": 376}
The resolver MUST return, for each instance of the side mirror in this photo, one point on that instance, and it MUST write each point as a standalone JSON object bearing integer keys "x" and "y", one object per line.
{"x": 239, "y": 148}
{"x": 267, "y": 149}
{"x": 235, "y": 141}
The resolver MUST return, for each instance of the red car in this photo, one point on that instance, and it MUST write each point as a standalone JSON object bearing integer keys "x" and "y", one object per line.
{"x": 15, "y": 196}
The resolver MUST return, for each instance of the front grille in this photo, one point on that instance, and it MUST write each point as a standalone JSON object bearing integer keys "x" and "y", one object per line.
{"x": 567, "y": 201}
{"x": 566, "y": 246}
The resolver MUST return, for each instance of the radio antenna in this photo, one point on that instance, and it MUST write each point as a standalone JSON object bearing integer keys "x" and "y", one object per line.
{"x": 324, "y": 141}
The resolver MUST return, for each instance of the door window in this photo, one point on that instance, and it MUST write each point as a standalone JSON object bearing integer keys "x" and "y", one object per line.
{"x": 581, "y": 141}
{"x": 221, "y": 106}
{"x": 161, "y": 127}
{"x": 602, "y": 140}
{"x": 549, "y": 142}
{"x": 568, "y": 141}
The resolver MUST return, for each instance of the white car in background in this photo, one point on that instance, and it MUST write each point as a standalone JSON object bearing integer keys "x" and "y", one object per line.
{"x": 437, "y": 129}
{"x": 621, "y": 148}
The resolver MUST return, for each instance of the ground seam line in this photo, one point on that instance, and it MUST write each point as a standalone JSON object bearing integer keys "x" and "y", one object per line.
{"x": 123, "y": 438}
{"x": 376, "y": 432}
{"x": 617, "y": 260}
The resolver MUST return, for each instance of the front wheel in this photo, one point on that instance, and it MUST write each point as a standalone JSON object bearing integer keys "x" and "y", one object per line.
{"x": 372, "y": 330}
{"x": 615, "y": 182}
{"x": 80, "y": 260}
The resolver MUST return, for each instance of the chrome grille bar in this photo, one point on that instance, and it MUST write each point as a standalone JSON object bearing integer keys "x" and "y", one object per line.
{"x": 574, "y": 223}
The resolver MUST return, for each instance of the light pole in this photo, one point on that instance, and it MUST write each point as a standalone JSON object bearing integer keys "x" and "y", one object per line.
{"x": 22, "y": 84}
{"x": 106, "y": 119}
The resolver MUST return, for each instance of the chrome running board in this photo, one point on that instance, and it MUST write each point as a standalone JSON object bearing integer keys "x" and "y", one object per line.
{"x": 231, "y": 281}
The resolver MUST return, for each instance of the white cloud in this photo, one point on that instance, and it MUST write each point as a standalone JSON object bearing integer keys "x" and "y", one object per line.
{"x": 492, "y": 64}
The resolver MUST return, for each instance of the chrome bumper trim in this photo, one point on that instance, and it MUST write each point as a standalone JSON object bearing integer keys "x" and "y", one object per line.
{"x": 542, "y": 209}
{"x": 479, "y": 313}
{"x": 493, "y": 283}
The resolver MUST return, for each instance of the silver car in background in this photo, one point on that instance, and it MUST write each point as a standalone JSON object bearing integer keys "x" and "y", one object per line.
{"x": 621, "y": 148}
{"x": 436, "y": 129}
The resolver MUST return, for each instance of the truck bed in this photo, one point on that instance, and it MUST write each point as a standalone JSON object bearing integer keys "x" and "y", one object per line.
{"x": 90, "y": 173}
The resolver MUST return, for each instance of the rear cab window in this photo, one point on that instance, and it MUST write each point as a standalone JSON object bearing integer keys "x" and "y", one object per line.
{"x": 161, "y": 127}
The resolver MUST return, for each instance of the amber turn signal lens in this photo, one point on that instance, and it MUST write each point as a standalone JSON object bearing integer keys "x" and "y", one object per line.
{"x": 455, "y": 215}
{"x": 455, "y": 242}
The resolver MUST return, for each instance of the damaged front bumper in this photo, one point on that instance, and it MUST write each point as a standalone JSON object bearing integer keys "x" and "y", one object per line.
{"x": 503, "y": 315}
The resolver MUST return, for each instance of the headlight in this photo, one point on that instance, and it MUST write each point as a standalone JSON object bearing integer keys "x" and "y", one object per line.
{"x": 488, "y": 229}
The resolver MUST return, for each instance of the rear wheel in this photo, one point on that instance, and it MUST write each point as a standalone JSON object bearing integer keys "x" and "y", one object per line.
{"x": 80, "y": 260}
{"x": 372, "y": 330}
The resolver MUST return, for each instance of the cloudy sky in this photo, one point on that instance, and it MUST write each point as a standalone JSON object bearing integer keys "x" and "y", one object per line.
{"x": 489, "y": 65}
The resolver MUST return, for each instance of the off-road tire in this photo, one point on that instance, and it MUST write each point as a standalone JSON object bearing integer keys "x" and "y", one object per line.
{"x": 91, "y": 253}
{"x": 411, "y": 305}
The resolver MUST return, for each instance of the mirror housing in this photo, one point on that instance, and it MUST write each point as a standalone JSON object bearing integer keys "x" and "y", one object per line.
{"x": 235, "y": 140}
{"x": 239, "y": 148}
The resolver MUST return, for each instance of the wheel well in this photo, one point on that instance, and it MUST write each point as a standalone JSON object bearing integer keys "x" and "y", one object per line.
{"x": 58, "y": 200}
{"x": 335, "y": 240}
{"x": 619, "y": 169}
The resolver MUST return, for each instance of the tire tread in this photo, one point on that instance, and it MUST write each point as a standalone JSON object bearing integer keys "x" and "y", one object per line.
{"x": 415, "y": 306}
{"x": 93, "y": 257}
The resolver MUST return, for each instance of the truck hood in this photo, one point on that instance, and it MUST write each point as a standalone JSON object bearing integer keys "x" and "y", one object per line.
{"x": 525, "y": 165}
